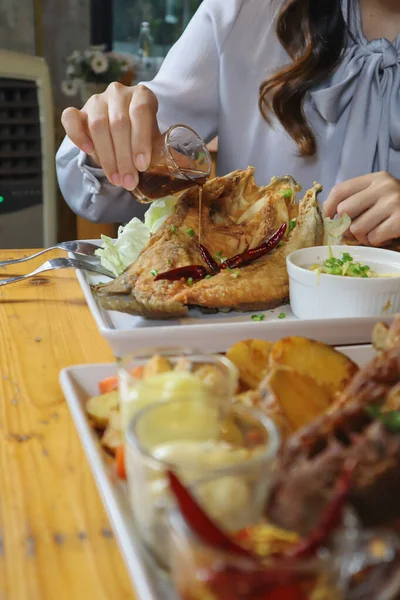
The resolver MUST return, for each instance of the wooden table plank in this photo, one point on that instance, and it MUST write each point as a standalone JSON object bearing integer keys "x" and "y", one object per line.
{"x": 55, "y": 538}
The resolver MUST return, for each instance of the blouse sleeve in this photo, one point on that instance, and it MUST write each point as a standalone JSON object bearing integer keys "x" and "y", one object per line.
{"x": 187, "y": 89}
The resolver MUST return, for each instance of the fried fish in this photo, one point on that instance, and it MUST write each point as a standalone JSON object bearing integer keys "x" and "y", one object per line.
{"x": 236, "y": 215}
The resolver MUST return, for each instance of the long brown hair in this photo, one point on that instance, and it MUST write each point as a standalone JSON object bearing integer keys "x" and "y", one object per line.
{"x": 314, "y": 34}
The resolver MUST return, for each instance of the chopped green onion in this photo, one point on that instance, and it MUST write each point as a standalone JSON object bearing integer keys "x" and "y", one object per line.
{"x": 154, "y": 273}
{"x": 260, "y": 317}
{"x": 190, "y": 281}
{"x": 292, "y": 224}
{"x": 208, "y": 276}
{"x": 390, "y": 419}
{"x": 190, "y": 232}
{"x": 173, "y": 228}
{"x": 219, "y": 256}
{"x": 236, "y": 274}
{"x": 280, "y": 244}
{"x": 287, "y": 193}
{"x": 344, "y": 266}
{"x": 281, "y": 316}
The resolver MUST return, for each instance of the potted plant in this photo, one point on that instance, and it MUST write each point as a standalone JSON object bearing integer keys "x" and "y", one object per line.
{"x": 90, "y": 72}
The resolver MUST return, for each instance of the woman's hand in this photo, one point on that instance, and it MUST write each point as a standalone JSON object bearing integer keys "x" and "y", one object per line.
{"x": 116, "y": 129}
{"x": 373, "y": 204}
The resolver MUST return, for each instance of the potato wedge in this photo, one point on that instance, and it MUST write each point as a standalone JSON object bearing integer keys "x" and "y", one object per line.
{"x": 251, "y": 358}
{"x": 328, "y": 367}
{"x": 111, "y": 440}
{"x": 299, "y": 396}
{"x": 99, "y": 408}
{"x": 156, "y": 365}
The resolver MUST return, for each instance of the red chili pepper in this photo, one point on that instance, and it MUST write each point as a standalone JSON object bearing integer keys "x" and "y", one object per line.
{"x": 200, "y": 523}
{"x": 329, "y": 521}
{"x": 191, "y": 271}
{"x": 208, "y": 259}
{"x": 251, "y": 255}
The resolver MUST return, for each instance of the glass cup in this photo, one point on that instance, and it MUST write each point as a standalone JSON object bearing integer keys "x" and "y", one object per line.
{"x": 358, "y": 566}
{"x": 173, "y": 374}
{"x": 180, "y": 159}
{"x": 231, "y": 451}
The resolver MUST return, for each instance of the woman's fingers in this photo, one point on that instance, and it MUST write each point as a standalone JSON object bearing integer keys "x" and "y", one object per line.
{"x": 120, "y": 126}
{"x": 99, "y": 131}
{"x": 143, "y": 116}
{"x": 358, "y": 204}
{"x": 385, "y": 232}
{"x": 117, "y": 128}
{"x": 75, "y": 124}
{"x": 344, "y": 191}
{"x": 362, "y": 227}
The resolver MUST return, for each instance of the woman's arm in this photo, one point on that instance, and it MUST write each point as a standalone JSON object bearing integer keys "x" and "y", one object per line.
{"x": 187, "y": 90}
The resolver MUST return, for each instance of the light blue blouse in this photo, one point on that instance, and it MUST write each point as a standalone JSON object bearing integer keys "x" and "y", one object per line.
{"x": 210, "y": 81}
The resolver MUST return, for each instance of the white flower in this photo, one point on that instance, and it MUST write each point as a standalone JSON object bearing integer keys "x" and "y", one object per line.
{"x": 70, "y": 87}
{"x": 70, "y": 70}
{"x": 74, "y": 56}
{"x": 99, "y": 63}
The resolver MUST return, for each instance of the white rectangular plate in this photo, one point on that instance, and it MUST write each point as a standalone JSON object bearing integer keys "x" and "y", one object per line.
{"x": 80, "y": 383}
{"x": 216, "y": 332}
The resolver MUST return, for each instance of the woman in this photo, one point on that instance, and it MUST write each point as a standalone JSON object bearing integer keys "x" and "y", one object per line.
{"x": 328, "y": 108}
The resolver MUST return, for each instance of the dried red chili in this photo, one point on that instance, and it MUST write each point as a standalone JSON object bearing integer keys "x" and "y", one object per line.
{"x": 200, "y": 523}
{"x": 190, "y": 271}
{"x": 208, "y": 259}
{"x": 249, "y": 256}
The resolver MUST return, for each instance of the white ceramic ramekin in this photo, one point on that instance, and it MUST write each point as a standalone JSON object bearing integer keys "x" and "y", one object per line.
{"x": 322, "y": 296}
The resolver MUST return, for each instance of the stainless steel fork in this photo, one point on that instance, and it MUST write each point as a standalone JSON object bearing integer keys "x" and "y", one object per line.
{"x": 60, "y": 263}
{"x": 82, "y": 248}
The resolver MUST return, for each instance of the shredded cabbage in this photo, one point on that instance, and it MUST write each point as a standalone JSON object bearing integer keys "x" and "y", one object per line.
{"x": 334, "y": 229}
{"x": 133, "y": 237}
{"x": 159, "y": 212}
{"x": 118, "y": 256}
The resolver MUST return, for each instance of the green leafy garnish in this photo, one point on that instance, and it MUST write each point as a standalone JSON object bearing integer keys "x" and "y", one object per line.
{"x": 228, "y": 269}
{"x": 280, "y": 244}
{"x": 281, "y": 316}
{"x": 208, "y": 276}
{"x": 190, "y": 232}
{"x": 390, "y": 419}
{"x": 173, "y": 228}
{"x": 190, "y": 281}
{"x": 258, "y": 317}
{"x": 219, "y": 257}
{"x": 154, "y": 273}
{"x": 292, "y": 224}
{"x": 344, "y": 266}
{"x": 287, "y": 193}
{"x": 236, "y": 274}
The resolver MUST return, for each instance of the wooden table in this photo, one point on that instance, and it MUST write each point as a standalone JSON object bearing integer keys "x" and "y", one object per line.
{"x": 55, "y": 538}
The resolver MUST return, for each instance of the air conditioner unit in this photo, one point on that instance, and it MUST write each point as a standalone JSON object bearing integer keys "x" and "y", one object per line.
{"x": 28, "y": 199}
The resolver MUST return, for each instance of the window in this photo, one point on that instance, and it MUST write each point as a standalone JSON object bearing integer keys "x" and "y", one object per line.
{"x": 167, "y": 19}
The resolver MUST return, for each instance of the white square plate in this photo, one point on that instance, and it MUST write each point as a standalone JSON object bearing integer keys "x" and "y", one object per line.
{"x": 80, "y": 383}
{"x": 216, "y": 332}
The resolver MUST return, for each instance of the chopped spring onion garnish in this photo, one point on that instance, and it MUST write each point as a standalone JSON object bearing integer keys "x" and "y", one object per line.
{"x": 344, "y": 266}
{"x": 258, "y": 317}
